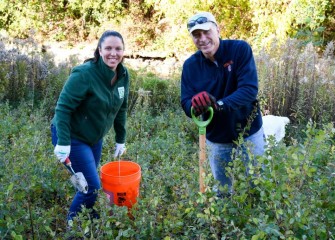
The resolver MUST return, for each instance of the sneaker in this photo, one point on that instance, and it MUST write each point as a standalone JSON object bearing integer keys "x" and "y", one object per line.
{"x": 69, "y": 227}
{"x": 222, "y": 192}
{"x": 69, "y": 224}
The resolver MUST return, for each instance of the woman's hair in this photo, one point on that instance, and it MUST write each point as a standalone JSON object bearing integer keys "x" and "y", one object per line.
{"x": 106, "y": 34}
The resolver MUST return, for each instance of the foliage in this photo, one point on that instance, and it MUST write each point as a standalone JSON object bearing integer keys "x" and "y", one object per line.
{"x": 309, "y": 23}
{"x": 63, "y": 20}
{"x": 161, "y": 25}
{"x": 292, "y": 197}
{"x": 288, "y": 194}
{"x": 24, "y": 153}
{"x": 270, "y": 18}
{"x": 163, "y": 93}
{"x": 28, "y": 75}
{"x": 235, "y": 18}
{"x": 301, "y": 19}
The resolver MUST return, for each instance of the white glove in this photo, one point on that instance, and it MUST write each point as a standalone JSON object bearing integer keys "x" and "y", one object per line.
{"x": 62, "y": 152}
{"x": 120, "y": 148}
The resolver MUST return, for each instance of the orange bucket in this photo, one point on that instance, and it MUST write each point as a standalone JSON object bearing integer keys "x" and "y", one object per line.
{"x": 121, "y": 182}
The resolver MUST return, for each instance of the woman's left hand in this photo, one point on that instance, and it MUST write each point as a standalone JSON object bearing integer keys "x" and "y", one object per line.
{"x": 120, "y": 148}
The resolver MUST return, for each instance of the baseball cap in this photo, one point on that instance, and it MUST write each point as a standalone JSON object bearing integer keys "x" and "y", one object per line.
{"x": 201, "y": 20}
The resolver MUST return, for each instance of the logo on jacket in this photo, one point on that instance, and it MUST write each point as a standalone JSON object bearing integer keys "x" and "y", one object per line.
{"x": 228, "y": 65}
{"x": 121, "y": 92}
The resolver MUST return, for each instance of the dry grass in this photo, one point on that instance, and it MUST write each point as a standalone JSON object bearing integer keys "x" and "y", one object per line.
{"x": 297, "y": 82}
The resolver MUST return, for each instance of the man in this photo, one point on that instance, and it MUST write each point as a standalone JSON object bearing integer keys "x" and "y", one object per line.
{"x": 222, "y": 75}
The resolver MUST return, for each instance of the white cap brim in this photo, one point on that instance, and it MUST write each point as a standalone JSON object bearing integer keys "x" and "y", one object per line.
{"x": 205, "y": 26}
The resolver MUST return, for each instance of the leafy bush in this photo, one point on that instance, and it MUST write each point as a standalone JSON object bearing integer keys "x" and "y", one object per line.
{"x": 161, "y": 93}
{"x": 30, "y": 202}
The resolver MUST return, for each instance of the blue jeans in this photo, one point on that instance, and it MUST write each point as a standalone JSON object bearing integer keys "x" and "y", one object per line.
{"x": 85, "y": 159}
{"x": 220, "y": 155}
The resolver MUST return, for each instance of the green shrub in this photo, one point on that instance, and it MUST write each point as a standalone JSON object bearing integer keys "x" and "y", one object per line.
{"x": 161, "y": 93}
{"x": 292, "y": 197}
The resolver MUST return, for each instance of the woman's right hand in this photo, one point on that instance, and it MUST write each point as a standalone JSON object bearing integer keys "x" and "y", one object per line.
{"x": 62, "y": 152}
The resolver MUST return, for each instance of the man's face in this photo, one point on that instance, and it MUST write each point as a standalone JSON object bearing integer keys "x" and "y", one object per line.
{"x": 207, "y": 41}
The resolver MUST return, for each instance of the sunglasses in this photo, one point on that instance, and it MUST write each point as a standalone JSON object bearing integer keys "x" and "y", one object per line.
{"x": 200, "y": 20}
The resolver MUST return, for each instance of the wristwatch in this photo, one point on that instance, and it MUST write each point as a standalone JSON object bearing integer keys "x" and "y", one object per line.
{"x": 220, "y": 105}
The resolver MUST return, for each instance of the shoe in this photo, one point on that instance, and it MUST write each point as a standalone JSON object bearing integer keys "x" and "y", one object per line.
{"x": 222, "y": 192}
{"x": 69, "y": 224}
{"x": 68, "y": 233}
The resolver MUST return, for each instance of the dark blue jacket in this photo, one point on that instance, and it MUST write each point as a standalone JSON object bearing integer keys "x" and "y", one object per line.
{"x": 233, "y": 80}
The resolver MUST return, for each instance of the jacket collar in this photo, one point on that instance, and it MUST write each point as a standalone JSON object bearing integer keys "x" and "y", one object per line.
{"x": 109, "y": 73}
{"x": 218, "y": 55}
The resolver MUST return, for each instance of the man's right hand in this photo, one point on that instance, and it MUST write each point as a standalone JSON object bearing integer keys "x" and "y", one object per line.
{"x": 202, "y": 101}
{"x": 62, "y": 152}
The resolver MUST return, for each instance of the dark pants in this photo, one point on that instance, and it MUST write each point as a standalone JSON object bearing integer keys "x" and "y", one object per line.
{"x": 85, "y": 159}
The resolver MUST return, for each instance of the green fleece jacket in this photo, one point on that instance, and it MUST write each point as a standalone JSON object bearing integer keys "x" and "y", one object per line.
{"x": 88, "y": 105}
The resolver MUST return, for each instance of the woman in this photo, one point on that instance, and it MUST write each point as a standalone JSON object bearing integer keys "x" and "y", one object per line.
{"x": 93, "y": 99}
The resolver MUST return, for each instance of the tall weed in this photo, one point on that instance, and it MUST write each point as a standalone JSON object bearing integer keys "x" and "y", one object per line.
{"x": 28, "y": 74}
{"x": 297, "y": 82}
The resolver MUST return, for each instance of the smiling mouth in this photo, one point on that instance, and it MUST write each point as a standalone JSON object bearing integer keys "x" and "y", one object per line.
{"x": 112, "y": 59}
{"x": 205, "y": 45}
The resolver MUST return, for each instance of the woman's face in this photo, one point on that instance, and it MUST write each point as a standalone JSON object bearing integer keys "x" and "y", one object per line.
{"x": 112, "y": 51}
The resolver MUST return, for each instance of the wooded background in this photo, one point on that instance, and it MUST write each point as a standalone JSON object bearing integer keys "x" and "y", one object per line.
{"x": 151, "y": 25}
